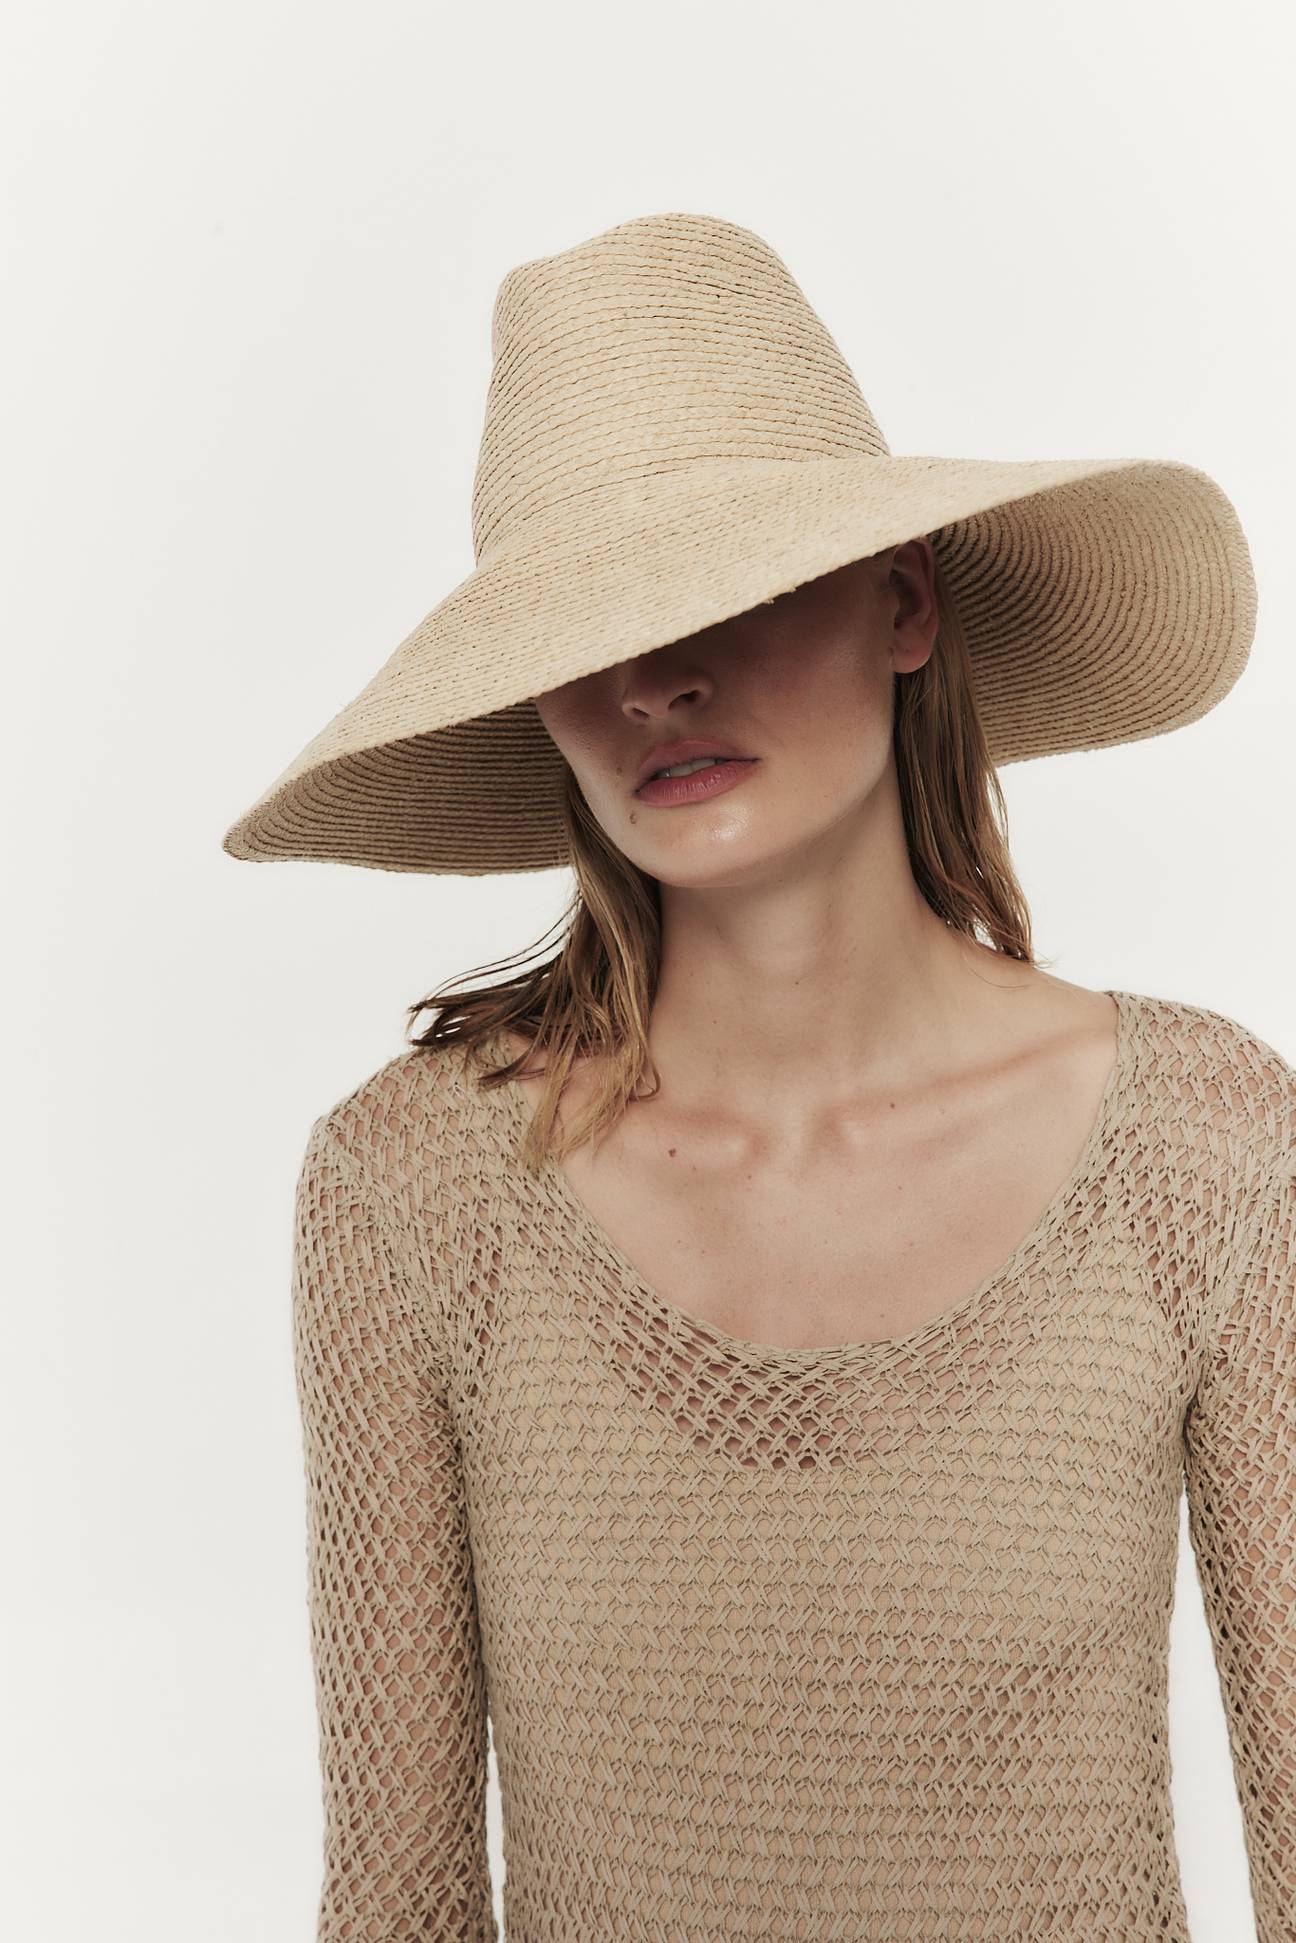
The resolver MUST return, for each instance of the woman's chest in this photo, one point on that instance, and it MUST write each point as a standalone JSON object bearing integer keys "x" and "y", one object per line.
{"x": 864, "y": 1241}
{"x": 1007, "y": 1497}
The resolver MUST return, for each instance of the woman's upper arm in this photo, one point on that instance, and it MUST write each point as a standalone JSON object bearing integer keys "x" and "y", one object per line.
{"x": 1240, "y": 1474}
{"x": 395, "y": 1646}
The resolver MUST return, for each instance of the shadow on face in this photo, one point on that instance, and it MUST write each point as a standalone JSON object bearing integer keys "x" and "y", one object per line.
{"x": 803, "y": 684}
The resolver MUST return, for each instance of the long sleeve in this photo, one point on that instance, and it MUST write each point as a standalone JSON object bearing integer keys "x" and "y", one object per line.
{"x": 399, "y": 1683}
{"x": 1240, "y": 1473}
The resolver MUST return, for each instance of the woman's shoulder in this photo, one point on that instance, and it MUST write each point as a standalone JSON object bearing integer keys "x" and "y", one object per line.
{"x": 417, "y": 1122}
{"x": 1203, "y": 1069}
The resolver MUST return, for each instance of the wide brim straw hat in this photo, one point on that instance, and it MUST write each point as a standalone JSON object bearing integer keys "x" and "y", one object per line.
{"x": 672, "y": 437}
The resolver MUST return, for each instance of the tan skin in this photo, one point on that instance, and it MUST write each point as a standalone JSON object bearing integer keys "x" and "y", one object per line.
{"x": 861, "y": 1112}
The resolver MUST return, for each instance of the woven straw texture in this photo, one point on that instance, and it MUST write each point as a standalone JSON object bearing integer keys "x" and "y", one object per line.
{"x": 866, "y": 1642}
{"x": 671, "y": 437}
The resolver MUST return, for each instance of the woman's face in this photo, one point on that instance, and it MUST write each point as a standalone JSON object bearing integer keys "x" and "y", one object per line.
{"x": 803, "y": 684}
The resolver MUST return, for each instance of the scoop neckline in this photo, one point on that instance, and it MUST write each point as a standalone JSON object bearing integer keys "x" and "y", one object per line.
{"x": 640, "y": 1294}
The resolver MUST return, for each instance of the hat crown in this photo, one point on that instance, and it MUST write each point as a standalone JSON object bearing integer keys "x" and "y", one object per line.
{"x": 666, "y": 342}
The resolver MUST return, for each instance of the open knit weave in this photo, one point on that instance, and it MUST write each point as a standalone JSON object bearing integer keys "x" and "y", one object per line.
{"x": 858, "y": 1642}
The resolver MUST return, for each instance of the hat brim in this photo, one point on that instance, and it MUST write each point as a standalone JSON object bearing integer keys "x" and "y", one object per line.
{"x": 1104, "y": 600}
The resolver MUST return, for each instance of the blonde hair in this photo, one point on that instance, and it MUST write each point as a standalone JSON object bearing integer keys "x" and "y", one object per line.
{"x": 595, "y": 994}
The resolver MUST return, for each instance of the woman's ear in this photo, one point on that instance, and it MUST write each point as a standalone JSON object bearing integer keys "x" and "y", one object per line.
{"x": 912, "y": 583}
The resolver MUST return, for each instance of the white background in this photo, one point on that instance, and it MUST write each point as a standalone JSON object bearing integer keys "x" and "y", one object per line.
{"x": 250, "y": 254}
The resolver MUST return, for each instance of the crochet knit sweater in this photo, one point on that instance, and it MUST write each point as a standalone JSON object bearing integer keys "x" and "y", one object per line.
{"x": 860, "y": 1642}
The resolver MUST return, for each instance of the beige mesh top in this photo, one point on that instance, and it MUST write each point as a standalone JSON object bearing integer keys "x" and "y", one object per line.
{"x": 862, "y": 1642}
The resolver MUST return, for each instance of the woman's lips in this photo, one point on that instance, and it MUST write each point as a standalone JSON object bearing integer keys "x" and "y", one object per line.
{"x": 726, "y": 773}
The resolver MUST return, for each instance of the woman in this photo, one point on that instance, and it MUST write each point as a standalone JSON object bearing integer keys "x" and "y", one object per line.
{"x": 755, "y": 1357}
